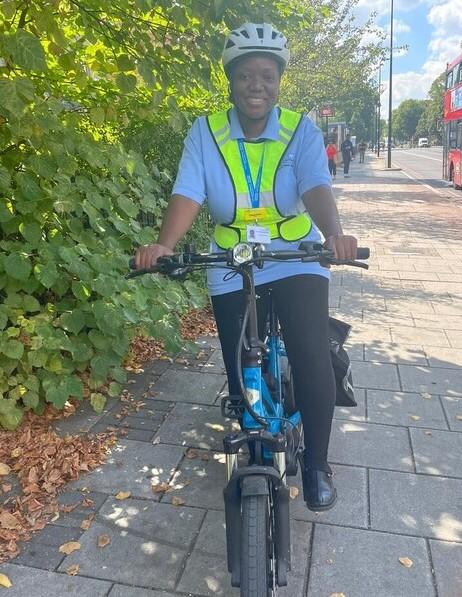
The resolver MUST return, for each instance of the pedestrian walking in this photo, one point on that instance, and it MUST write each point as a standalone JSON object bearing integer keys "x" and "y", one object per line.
{"x": 331, "y": 151}
{"x": 347, "y": 153}
{"x": 362, "y": 151}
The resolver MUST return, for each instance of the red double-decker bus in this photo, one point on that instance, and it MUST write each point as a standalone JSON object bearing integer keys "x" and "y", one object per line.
{"x": 452, "y": 121}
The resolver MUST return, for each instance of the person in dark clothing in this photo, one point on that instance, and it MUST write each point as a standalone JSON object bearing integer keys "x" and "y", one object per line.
{"x": 347, "y": 153}
{"x": 362, "y": 150}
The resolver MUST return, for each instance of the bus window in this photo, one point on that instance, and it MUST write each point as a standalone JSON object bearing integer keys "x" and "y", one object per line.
{"x": 449, "y": 79}
{"x": 459, "y": 134}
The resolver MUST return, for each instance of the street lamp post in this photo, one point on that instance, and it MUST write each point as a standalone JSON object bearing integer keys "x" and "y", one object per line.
{"x": 378, "y": 110}
{"x": 390, "y": 87}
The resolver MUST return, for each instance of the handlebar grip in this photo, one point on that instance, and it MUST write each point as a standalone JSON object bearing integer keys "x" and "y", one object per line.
{"x": 363, "y": 253}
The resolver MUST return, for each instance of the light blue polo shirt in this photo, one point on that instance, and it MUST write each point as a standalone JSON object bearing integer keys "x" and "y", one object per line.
{"x": 202, "y": 176}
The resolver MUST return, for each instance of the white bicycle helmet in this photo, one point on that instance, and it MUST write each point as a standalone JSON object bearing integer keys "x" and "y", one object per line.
{"x": 253, "y": 38}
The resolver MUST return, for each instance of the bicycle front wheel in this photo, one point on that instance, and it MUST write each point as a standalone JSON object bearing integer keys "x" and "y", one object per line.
{"x": 255, "y": 556}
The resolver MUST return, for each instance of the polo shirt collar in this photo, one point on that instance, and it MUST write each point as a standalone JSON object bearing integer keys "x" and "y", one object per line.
{"x": 270, "y": 132}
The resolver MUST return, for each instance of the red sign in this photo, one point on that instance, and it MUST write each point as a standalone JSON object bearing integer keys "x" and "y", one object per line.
{"x": 326, "y": 111}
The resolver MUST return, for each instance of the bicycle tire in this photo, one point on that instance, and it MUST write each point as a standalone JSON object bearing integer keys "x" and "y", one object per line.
{"x": 254, "y": 547}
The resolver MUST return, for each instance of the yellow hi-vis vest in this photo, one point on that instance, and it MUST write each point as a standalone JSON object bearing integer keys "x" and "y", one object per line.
{"x": 289, "y": 228}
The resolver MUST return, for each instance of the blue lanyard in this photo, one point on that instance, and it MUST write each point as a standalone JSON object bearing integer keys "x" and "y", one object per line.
{"x": 254, "y": 187}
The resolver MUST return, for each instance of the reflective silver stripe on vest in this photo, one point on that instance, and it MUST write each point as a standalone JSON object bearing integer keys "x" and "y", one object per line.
{"x": 266, "y": 199}
{"x": 225, "y": 139}
{"x": 285, "y": 130}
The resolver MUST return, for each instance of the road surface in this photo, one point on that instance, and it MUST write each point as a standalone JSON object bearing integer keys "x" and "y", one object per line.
{"x": 425, "y": 165}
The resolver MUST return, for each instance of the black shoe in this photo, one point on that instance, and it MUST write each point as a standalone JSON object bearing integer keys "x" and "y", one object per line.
{"x": 318, "y": 490}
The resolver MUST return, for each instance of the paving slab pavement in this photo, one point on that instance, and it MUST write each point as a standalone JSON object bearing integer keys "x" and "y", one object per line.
{"x": 396, "y": 458}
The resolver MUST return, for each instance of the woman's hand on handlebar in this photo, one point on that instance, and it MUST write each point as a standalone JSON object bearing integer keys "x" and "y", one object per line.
{"x": 344, "y": 246}
{"x": 147, "y": 255}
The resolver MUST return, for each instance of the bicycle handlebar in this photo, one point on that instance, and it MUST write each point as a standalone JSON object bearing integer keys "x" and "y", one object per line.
{"x": 179, "y": 264}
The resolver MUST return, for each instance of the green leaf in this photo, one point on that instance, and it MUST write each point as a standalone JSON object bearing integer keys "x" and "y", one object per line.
{"x": 73, "y": 322}
{"x": 10, "y": 414}
{"x": 17, "y": 265}
{"x": 31, "y": 399}
{"x": 5, "y": 179}
{"x": 31, "y": 231}
{"x": 27, "y": 182}
{"x": 98, "y": 339}
{"x": 13, "y": 349}
{"x": 46, "y": 273}
{"x": 57, "y": 394}
{"x": 9, "y": 97}
{"x": 74, "y": 387}
{"x": 119, "y": 374}
{"x": 98, "y": 401}
{"x": 127, "y": 205}
{"x": 126, "y": 83}
{"x": 28, "y": 52}
{"x": 30, "y": 304}
{"x": 3, "y": 316}
{"x": 97, "y": 116}
{"x": 114, "y": 389}
{"x": 37, "y": 358}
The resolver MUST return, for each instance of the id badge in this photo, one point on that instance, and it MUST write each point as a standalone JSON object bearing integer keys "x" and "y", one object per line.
{"x": 258, "y": 234}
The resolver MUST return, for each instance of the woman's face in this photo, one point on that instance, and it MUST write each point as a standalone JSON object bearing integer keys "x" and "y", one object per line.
{"x": 255, "y": 86}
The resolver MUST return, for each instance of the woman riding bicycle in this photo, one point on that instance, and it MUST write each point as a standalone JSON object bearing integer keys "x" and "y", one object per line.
{"x": 263, "y": 171}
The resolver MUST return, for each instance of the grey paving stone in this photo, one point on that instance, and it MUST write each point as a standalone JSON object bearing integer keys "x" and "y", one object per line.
{"x": 94, "y": 501}
{"x": 149, "y": 542}
{"x": 351, "y": 507}
{"x": 200, "y": 483}
{"x": 447, "y": 561}
{"x": 355, "y": 351}
{"x": 146, "y": 423}
{"x": 124, "y": 591}
{"x": 453, "y": 409}
{"x": 448, "y": 358}
{"x": 197, "y": 426}
{"x": 370, "y": 445}
{"x": 416, "y": 504}
{"x": 360, "y": 563}
{"x": 28, "y": 582}
{"x": 206, "y": 570}
{"x": 455, "y": 338}
{"x": 395, "y": 353}
{"x": 375, "y": 375}
{"x": 133, "y": 466}
{"x": 83, "y": 419}
{"x": 140, "y": 435}
{"x": 437, "y": 452}
{"x": 399, "y": 408}
{"x": 42, "y": 550}
{"x": 215, "y": 363}
{"x": 431, "y": 379}
{"x": 211, "y": 341}
{"x": 413, "y": 335}
{"x": 355, "y": 413}
{"x": 189, "y": 386}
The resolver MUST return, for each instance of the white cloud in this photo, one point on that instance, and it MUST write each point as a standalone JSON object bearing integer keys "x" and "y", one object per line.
{"x": 411, "y": 85}
{"x": 446, "y": 18}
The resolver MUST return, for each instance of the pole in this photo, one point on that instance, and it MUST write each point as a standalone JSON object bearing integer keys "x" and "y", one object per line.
{"x": 378, "y": 112}
{"x": 327, "y": 128}
{"x": 389, "y": 89}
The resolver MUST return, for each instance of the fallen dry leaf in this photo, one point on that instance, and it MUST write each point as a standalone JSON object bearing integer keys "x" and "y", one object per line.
{"x": 191, "y": 453}
{"x": 8, "y": 521}
{"x": 459, "y": 417}
{"x": 337, "y": 595}
{"x": 429, "y": 433}
{"x": 123, "y": 495}
{"x": 4, "y": 469}
{"x": 414, "y": 417}
{"x": 215, "y": 426}
{"x": 205, "y": 457}
{"x": 177, "y": 501}
{"x": 86, "y": 522}
{"x": 160, "y": 487}
{"x": 69, "y": 547}
{"x": 72, "y": 570}
{"x": 103, "y": 540}
{"x": 5, "y": 581}
{"x": 406, "y": 562}
{"x": 293, "y": 492}
{"x": 426, "y": 395}
{"x": 16, "y": 453}
{"x": 156, "y": 440}
{"x": 6, "y": 487}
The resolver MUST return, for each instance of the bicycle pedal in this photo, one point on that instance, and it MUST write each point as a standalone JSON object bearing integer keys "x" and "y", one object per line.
{"x": 232, "y": 407}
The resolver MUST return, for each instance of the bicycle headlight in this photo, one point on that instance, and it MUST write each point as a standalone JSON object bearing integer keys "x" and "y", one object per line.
{"x": 242, "y": 253}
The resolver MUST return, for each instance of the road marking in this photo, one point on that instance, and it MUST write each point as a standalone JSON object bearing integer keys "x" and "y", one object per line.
{"x": 419, "y": 155}
{"x": 445, "y": 193}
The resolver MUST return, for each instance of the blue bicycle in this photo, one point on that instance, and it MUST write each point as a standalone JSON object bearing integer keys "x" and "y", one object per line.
{"x": 257, "y": 495}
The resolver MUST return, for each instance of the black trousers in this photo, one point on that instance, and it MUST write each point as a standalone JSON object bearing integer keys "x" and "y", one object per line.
{"x": 346, "y": 155}
{"x": 332, "y": 167}
{"x": 302, "y": 306}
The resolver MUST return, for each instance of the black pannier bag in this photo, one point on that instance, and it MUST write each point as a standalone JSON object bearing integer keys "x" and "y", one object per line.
{"x": 338, "y": 333}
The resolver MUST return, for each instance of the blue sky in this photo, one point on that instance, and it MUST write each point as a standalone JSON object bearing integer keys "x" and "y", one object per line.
{"x": 433, "y": 31}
